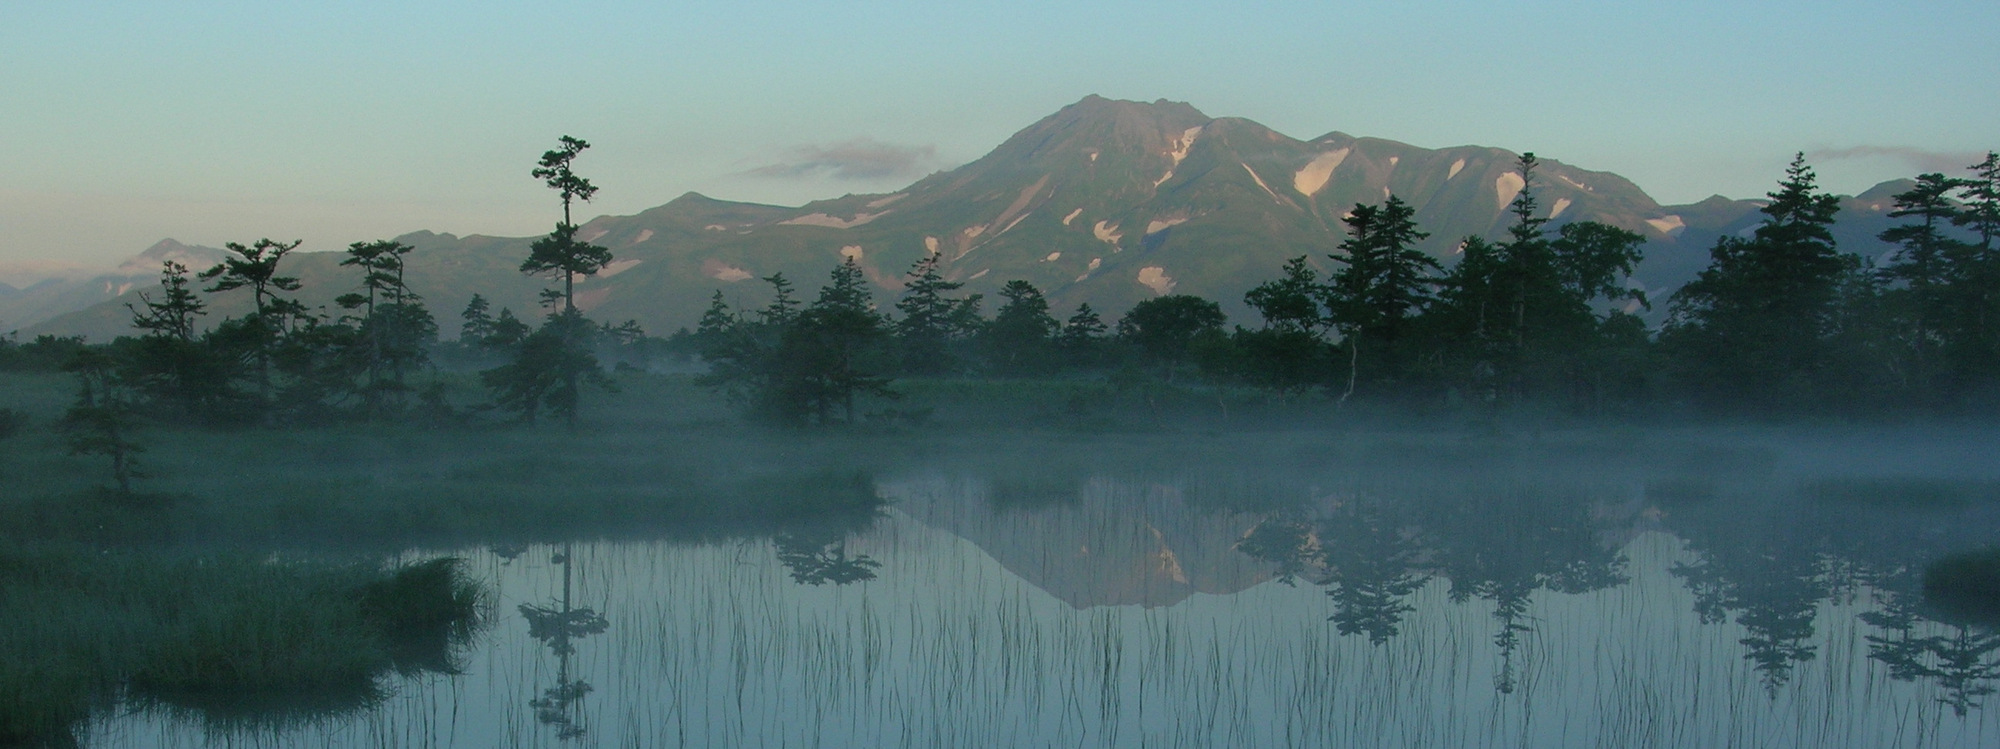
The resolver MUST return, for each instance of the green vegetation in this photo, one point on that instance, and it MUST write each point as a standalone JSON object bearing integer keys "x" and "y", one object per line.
{"x": 1967, "y": 585}
{"x": 81, "y": 626}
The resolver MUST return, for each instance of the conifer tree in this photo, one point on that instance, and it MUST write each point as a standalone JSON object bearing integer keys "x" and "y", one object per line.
{"x": 1082, "y": 336}
{"x": 1754, "y": 327}
{"x": 478, "y": 321}
{"x": 256, "y": 268}
{"x": 1018, "y": 340}
{"x": 561, "y": 253}
{"x": 1923, "y": 271}
{"x": 1385, "y": 282}
{"x": 931, "y": 320}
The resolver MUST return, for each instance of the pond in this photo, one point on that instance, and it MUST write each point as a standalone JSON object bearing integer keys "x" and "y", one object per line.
{"x": 1714, "y": 598}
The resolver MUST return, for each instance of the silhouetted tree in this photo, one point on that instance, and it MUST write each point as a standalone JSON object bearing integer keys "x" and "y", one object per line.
{"x": 932, "y": 321}
{"x": 394, "y": 330}
{"x": 1385, "y": 282}
{"x": 1020, "y": 339}
{"x": 256, "y": 268}
{"x": 1165, "y": 328}
{"x": 101, "y": 420}
{"x": 563, "y": 255}
{"x": 1922, "y": 272}
{"x": 1754, "y": 327}
{"x": 1081, "y": 340}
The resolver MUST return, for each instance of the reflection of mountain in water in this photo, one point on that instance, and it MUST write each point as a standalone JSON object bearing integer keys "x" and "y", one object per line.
{"x": 1098, "y": 542}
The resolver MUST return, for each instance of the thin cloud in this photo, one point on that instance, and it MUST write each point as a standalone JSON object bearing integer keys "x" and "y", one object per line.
{"x": 860, "y": 159}
{"x": 1917, "y": 158}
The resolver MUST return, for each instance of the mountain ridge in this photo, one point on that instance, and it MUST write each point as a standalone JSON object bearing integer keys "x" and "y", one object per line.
{"x": 1105, "y": 201}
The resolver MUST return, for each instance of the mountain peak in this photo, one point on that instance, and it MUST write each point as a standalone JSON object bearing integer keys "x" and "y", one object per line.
{"x": 149, "y": 260}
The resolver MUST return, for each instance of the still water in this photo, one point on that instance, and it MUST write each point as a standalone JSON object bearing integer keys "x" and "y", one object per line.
{"x": 1529, "y": 607}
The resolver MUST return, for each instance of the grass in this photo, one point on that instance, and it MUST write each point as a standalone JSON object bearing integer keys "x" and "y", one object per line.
{"x": 1965, "y": 586}
{"x": 81, "y": 627}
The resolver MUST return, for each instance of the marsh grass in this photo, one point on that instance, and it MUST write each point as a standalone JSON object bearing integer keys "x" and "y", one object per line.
{"x": 1911, "y": 492}
{"x": 235, "y": 639}
{"x": 1965, "y": 587}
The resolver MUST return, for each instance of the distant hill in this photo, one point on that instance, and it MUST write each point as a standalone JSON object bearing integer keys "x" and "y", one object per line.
{"x": 1109, "y": 202}
{"x": 58, "y": 297}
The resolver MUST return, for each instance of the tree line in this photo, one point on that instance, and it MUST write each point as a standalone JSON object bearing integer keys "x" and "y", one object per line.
{"x": 1782, "y": 321}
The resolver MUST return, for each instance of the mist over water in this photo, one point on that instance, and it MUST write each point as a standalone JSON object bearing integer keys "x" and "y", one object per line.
{"x": 1746, "y": 588}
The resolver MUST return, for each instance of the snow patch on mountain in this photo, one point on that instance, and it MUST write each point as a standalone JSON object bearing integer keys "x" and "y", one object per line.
{"x": 1178, "y": 150}
{"x": 1260, "y": 182}
{"x": 879, "y": 202}
{"x": 644, "y": 234}
{"x": 616, "y": 267}
{"x": 976, "y": 276}
{"x": 851, "y": 252}
{"x": 715, "y": 227}
{"x": 1092, "y": 268}
{"x": 724, "y": 272}
{"x": 1053, "y": 256}
{"x": 1508, "y": 185}
{"x": 1670, "y": 224}
{"x": 1107, "y": 233}
{"x": 1021, "y": 203}
{"x": 832, "y": 222}
{"x": 1313, "y": 177}
{"x": 1574, "y": 183}
{"x": 1072, "y": 216}
{"x": 1155, "y": 227}
{"x": 1455, "y": 167}
{"x": 1561, "y": 203}
{"x": 930, "y": 243}
{"x": 1010, "y": 224}
{"x": 1155, "y": 277}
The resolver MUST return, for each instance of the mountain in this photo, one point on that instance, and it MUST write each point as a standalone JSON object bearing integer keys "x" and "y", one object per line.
{"x": 1109, "y": 202}
{"x": 57, "y": 297}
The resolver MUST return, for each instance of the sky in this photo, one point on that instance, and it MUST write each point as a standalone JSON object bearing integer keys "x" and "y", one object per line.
{"x": 122, "y": 123}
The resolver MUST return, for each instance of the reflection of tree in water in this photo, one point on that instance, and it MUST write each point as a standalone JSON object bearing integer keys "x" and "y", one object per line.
{"x": 1504, "y": 547}
{"x": 1775, "y": 594}
{"x": 818, "y": 556}
{"x": 1500, "y": 548}
{"x": 1964, "y": 663}
{"x": 558, "y": 627}
{"x": 1358, "y": 552}
{"x": 1826, "y": 541}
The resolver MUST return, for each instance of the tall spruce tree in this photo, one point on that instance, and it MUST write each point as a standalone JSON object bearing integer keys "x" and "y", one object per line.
{"x": 1754, "y": 328}
{"x": 832, "y": 352}
{"x": 932, "y": 321}
{"x": 1383, "y": 285}
{"x": 1019, "y": 340}
{"x": 1976, "y": 290}
{"x": 1922, "y": 273}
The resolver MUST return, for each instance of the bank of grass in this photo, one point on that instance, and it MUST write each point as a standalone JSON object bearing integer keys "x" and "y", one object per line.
{"x": 81, "y": 627}
{"x": 1966, "y": 586}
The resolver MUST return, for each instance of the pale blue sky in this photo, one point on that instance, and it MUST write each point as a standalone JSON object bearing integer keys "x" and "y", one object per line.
{"x": 125, "y": 122}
